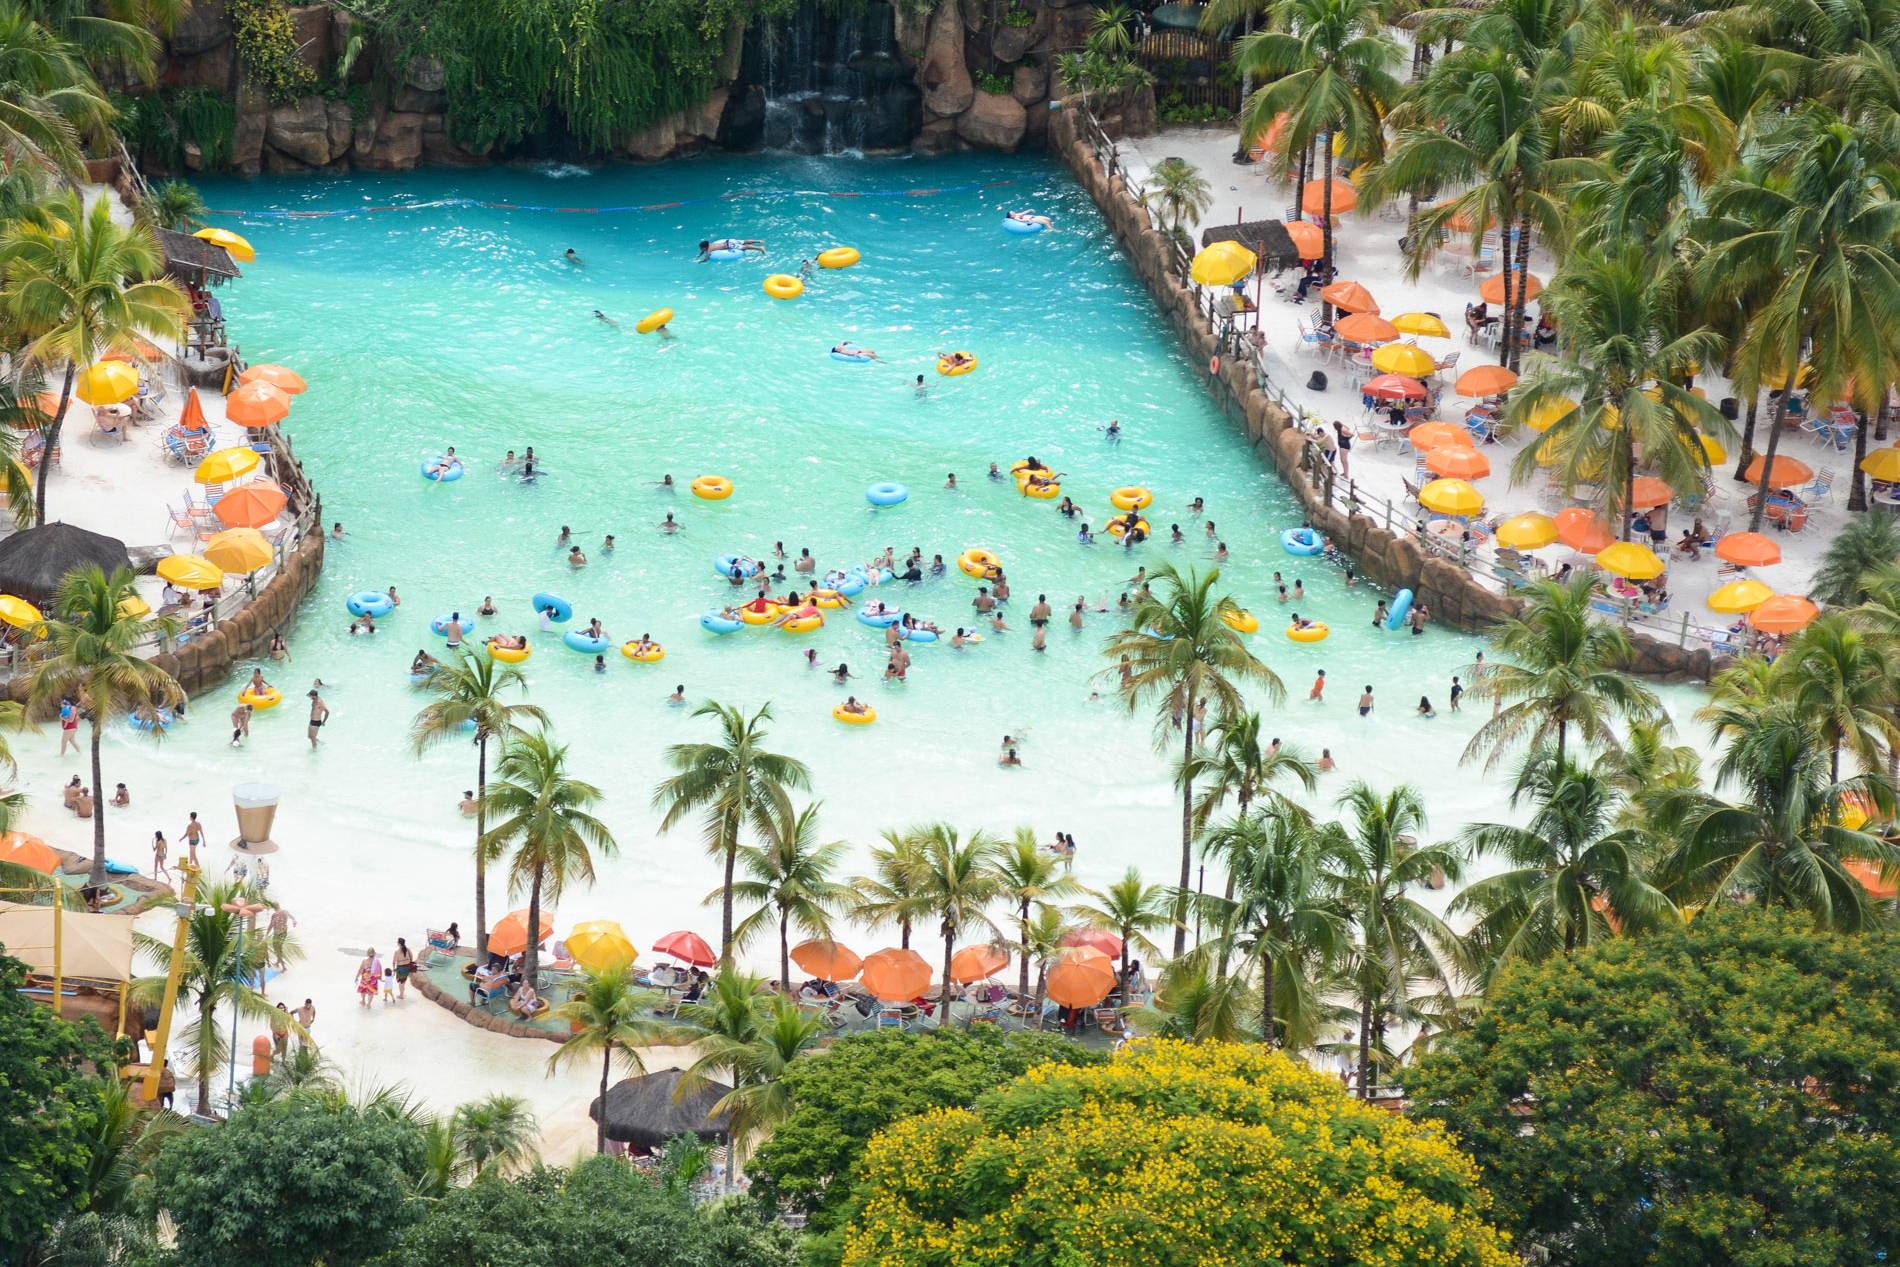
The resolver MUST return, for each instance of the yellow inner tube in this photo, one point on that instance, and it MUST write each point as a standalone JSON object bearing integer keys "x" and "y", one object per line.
{"x": 1131, "y": 497}
{"x": 271, "y": 698}
{"x": 654, "y": 320}
{"x": 652, "y": 655}
{"x": 1021, "y": 468}
{"x": 508, "y": 655}
{"x": 1116, "y": 527}
{"x": 977, "y": 563}
{"x": 1315, "y": 632}
{"x": 1042, "y": 491}
{"x": 766, "y": 617}
{"x": 714, "y": 488}
{"x": 948, "y": 370}
{"x": 864, "y": 718}
{"x": 804, "y": 624}
{"x": 828, "y": 598}
{"x": 784, "y": 286}
{"x": 839, "y": 257}
{"x": 1241, "y": 621}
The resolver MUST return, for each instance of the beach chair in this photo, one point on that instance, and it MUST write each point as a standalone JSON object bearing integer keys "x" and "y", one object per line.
{"x": 1110, "y": 1022}
{"x": 1446, "y": 366}
{"x": 107, "y": 427}
{"x": 1311, "y": 342}
{"x": 892, "y": 1018}
{"x": 528, "y": 1013}
{"x": 181, "y": 520}
{"x": 1818, "y": 492}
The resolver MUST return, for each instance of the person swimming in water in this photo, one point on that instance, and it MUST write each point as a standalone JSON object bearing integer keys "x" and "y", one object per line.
{"x": 573, "y": 258}
{"x": 853, "y": 351}
{"x": 707, "y": 247}
{"x": 1032, "y": 217}
{"x": 599, "y": 315}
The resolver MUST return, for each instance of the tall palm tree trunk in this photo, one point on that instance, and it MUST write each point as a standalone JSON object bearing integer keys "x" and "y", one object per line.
{"x": 1857, "y": 494}
{"x": 1629, "y": 482}
{"x": 785, "y": 951}
{"x": 1365, "y": 1049}
{"x": 1748, "y": 436}
{"x": 207, "y": 1046}
{"x": 725, "y": 896}
{"x": 1299, "y": 183}
{"x": 531, "y": 957}
{"x": 1326, "y": 227}
{"x": 606, "y": 1070}
{"x": 1774, "y": 440}
{"x": 1269, "y": 1032}
{"x": 97, "y": 875}
{"x": 1187, "y": 827}
{"x": 1220, "y": 960}
{"x": 1022, "y": 975}
{"x": 943, "y": 998}
{"x": 51, "y": 435}
{"x": 481, "y": 829}
{"x": 903, "y": 935}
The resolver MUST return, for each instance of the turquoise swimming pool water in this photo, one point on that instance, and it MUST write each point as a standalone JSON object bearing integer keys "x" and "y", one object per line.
{"x": 463, "y": 326}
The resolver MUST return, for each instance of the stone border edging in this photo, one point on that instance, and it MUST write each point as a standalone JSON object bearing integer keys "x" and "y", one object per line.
{"x": 474, "y": 1015}
{"x": 1386, "y": 559}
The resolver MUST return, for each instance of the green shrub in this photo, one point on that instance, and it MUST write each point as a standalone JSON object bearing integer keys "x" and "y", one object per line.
{"x": 991, "y": 82}
{"x": 267, "y": 45}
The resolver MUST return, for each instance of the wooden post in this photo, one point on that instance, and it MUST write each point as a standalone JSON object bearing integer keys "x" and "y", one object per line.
{"x": 59, "y": 946}
{"x": 148, "y": 1092}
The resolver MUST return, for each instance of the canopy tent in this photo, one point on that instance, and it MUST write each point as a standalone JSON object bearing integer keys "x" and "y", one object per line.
{"x": 643, "y": 1111}
{"x": 1267, "y": 239}
{"x": 34, "y": 562}
{"x": 89, "y": 947}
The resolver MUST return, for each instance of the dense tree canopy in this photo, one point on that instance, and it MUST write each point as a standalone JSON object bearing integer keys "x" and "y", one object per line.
{"x": 1171, "y": 1153}
{"x": 1721, "y": 1092}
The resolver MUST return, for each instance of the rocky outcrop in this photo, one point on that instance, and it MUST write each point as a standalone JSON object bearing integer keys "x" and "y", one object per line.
{"x": 301, "y": 131}
{"x": 945, "y": 79}
{"x": 687, "y": 130}
{"x": 993, "y": 122}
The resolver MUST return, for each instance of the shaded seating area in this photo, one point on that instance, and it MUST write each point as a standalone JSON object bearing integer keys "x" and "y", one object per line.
{"x": 34, "y": 562}
{"x": 647, "y": 1111}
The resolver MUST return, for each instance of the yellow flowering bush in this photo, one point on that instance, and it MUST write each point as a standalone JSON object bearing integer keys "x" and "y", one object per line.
{"x": 1202, "y": 1155}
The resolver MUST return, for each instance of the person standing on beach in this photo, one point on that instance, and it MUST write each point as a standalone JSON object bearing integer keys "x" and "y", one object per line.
{"x": 306, "y": 1017}
{"x": 159, "y": 851}
{"x": 319, "y": 713}
{"x": 194, "y": 835}
{"x": 279, "y": 927}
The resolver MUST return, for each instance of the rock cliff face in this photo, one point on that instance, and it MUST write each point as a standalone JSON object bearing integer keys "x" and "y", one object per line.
{"x": 927, "y": 76}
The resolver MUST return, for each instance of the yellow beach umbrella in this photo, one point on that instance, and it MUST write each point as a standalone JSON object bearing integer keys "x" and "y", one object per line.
{"x": 1628, "y": 559}
{"x": 18, "y": 612}
{"x": 1421, "y": 323}
{"x": 601, "y": 944}
{"x": 240, "y": 550}
{"x": 189, "y": 571}
{"x": 241, "y": 250}
{"x": 1882, "y": 464}
{"x": 1451, "y": 497}
{"x": 1740, "y": 596}
{"x": 107, "y": 383}
{"x": 132, "y": 607}
{"x": 1713, "y": 449}
{"x": 1529, "y": 531}
{"x": 1403, "y": 358}
{"x": 1549, "y": 413}
{"x": 1222, "y": 264}
{"x": 221, "y": 466}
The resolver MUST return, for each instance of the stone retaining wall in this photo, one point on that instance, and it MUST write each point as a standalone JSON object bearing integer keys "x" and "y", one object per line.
{"x": 1454, "y": 596}
{"x": 476, "y": 1016}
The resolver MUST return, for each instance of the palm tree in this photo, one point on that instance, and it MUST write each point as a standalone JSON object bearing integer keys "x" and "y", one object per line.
{"x": 1575, "y": 875}
{"x": 1850, "y": 565}
{"x": 91, "y": 656}
{"x": 71, "y": 289}
{"x": 48, "y": 97}
{"x": 1130, "y": 910}
{"x": 1029, "y": 877}
{"x": 1400, "y": 941}
{"x": 221, "y": 964}
{"x": 497, "y": 1130}
{"x": 174, "y": 205}
{"x": 752, "y": 1042}
{"x": 1783, "y": 841}
{"x": 955, "y": 881}
{"x": 1235, "y": 763}
{"x": 122, "y": 1137}
{"x": 1193, "y": 1006}
{"x": 1179, "y": 192}
{"x": 790, "y": 879}
{"x": 544, "y": 816}
{"x": 1282, "y": 917}
{"x": 737, "y": 783}
{"x": 608, "y": 1016}
{"x": 1626, "y": 354}
{"x": 1844, "y": 678}
{"x": 1328, "y": 66}
{"x": 467, "y": 691}
{"x": 889, "y": 895}
{"x": 1558, "y": 667}
{"x": 1811, "y": 222}
{"x": 1179, "y": 652}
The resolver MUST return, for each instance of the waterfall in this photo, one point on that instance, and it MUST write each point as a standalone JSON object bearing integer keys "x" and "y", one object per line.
{"x": 833, "y": 82}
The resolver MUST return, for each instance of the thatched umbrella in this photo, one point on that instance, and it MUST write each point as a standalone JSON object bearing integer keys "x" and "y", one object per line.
{"x": 34, "y": 562}
{"x": 642, "y": 1111}
{"x": 1265, "y": 238}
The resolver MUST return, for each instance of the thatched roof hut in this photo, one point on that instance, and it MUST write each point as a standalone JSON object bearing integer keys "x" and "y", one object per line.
{"x": 34, "y": 562}
{"x": 643, "y": 1111}
{"x": 194, "y": 260}
{"x": 1265, "y": 238}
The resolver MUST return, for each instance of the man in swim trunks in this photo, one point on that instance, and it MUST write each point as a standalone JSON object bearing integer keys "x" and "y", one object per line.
{"x": 667, "y": 525}
{"x": 454, "y": 630}
{"x": 319, "y": 713}
{"x": 575, "y": 559}
{"x": 1039, "y": 614}
{"x": 1365, "y": 701}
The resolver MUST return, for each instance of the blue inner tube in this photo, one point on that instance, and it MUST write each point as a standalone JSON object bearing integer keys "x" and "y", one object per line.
{"x": 851, "y": 358}
{"x": 582, "y": 641}
{"x": 440, "y": 625}
{"x": 1019, "y": 226}
{"x": 441, "y": 477}
{"x": 1401, "y": 604}
{"x": 369, "y": 603}
{"x": 141, "y": 723}
{"x": 879, "y": 620}
{"x": 717, "y": 622}
{"x": 563, "y": 610}
{"x": 747, "y": 567}
{"x": 1301, "y": 542}
{"x": 417, "y": 679}
{"x": 889, "y": 493}
{"x": 725, "y": 254}
{"x": 115, "y": 867}
{"x": 918, "y": 635}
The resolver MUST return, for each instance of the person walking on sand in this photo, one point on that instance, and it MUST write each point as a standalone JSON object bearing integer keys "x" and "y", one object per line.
{"x": 319, "y": 713}
{"x": 194, "y": 835}
{"x": 366, "y": 979}
{"x": 279, "y": 928}
{"x": 159, "y": 851}
{"x": 306, "y": 1017}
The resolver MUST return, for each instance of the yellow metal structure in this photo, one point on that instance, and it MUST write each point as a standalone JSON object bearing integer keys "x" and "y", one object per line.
{"x": 148, "y": 1091}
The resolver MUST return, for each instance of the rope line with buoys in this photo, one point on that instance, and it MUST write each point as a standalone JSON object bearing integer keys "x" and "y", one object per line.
{"x": 437, "y": 204}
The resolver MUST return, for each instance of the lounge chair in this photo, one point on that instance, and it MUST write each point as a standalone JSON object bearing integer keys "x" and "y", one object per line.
{"x": 1110, "y": 1022}
{"x": 534, "y": 1008}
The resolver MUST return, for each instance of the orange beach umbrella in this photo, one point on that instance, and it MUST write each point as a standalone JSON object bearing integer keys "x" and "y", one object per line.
{"x": 1784, "y": 613}
{"x": 687, "y": 948}
{"x": 257, "y": 404}
{"x": 1786, "y": 472}
{"x": 973, "y": 963}
{"x": 250, "y": 505}
{"x": 1493, "y": 289}
{"x": 1100, "y": 938}
{"x": 511, "y": 935}
{"x": 1350, "y": 297}
{"x": 1748, "y": 549}
{"x": 1308, "y": 239}
{"x": 1485, "y": 380}
{"x": 1394, "y": 387}
{"x": 282, "y": 377}
{"x": 827, "y": 960}
{"x": 1647, "y": 491}
{"x": 1457, "y": 462}
{"x": 1082, "y": 977}
{"x": 1366, "y": 327}
{"x": 895, "y": 975}
{"x": 28, "y": 851}
{"x": 1583, "y": 530}
{"x": 1313, "y": 197}
{"x": 193, "y": 416}
{"x": 1434, "y": 435}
